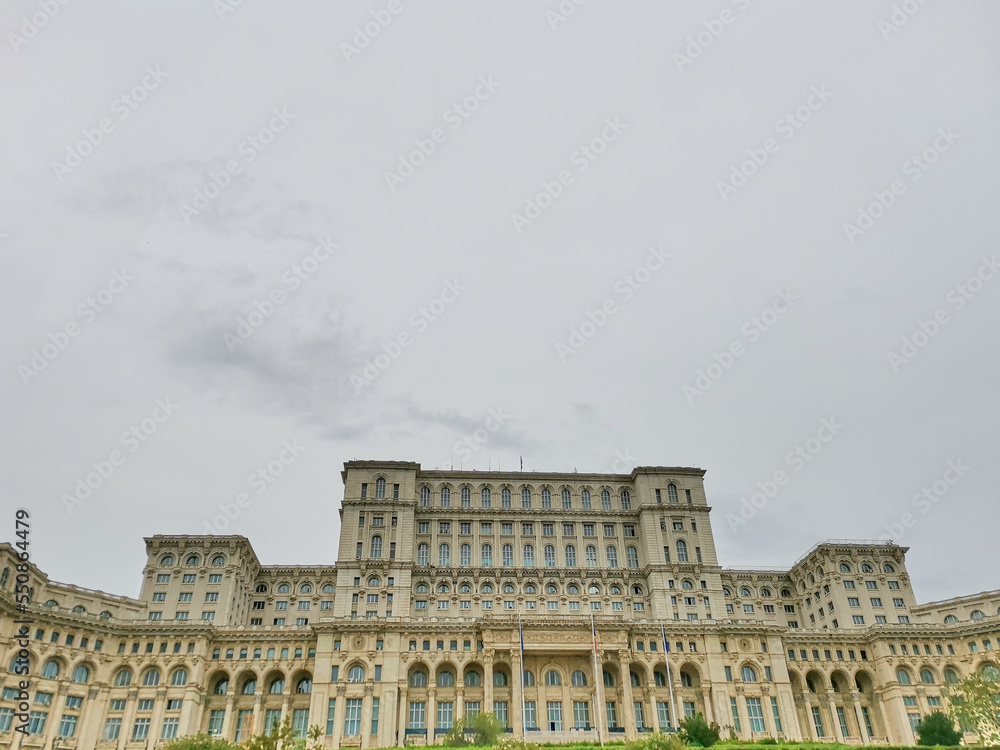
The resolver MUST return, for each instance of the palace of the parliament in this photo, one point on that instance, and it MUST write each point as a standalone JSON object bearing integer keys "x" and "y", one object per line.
{"x": 417, "y": 625}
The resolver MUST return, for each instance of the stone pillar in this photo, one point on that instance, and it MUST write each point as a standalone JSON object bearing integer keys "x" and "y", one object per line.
{"x": 810, "y": 724}
{"x": 834, "y": 719}
{"x": 459, "y": 701}
{"x": 859, "y": 715}
{"x": 258, "y": 712}
{"x": 652, "y": 716}
{"x": 488, "y": 686}
{"x": 628, "y": 720}
{"x": 156, "y": 719}
{"x": 516, "y": 694}
{"x": 192, "y": 711}
{"x": 91, "y": 726}
{"x": 366, "y": 715}
{"x": 229, "y": 719}
{"x": 404, "y": 712}
{"x": 128, "y": 718}
{"x": 431, "y": 715}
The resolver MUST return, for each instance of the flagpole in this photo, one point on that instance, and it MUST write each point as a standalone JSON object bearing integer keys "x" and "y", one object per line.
{"x": 520, "y": 634}
{"x": 675, "y": 719}
{"x": 598, "y": 681}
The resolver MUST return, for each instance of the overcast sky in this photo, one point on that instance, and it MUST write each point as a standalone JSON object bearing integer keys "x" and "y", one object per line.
{"x": 680, "y": 234}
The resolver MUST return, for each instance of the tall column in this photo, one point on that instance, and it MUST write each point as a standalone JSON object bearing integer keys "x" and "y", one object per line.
{"x": 431, "y": 714}
{"x": 229, "y": 719}
{"x": 404, "y": 712}
{"x": 516, "y": 694}
{"x": 859, "y": 715}
{"x": 628, "y": 720}
{"x": 459, "y": 701}
{"x": 156, "y": 720}
{"x": 809, "y": 720}
{"x": 488, "y": 685}
{"x": 652, "y": 716}
{"x": 257, "y": 725}
{"x": 191, "y": 711}
{"x": 90, "y": 729}
{"x": 366, "y": 716}
{"x": 128, "y": 718}
{"x": 834, "y": 719}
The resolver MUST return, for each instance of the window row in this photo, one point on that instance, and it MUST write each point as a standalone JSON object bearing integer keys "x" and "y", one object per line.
{"x": 551, "y": 588}
{"x": 528, "y": 558}
{"x": 192, "y": 560}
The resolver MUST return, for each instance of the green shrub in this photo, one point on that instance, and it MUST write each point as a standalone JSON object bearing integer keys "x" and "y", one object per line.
{"x": 697, "y": 732}
{"x": 657, "y": 741}
{"x": 481, "y": 730}
{"x": 937, "y": 729}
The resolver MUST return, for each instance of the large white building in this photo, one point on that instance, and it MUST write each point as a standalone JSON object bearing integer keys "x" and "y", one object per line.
{"x": 417, "y": 624}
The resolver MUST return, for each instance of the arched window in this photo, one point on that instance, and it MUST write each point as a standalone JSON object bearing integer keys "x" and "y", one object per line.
{"x": 444, "y": 554}
{"x": 990, "y": 674}
{"x": 546, "y": 498}
{"x": 634, "y": 679}
{"x": 612, "y": 556}
{"x": 167, "y": 560}
{"x": 605, "y": 500}
{"x": 423, "y": 554}
{"x": 472, "y": 678}
{"x": 552, "y": 678}
{"x": 747, "y": 674}
{"x": 976, "y": 614}
{"x": 529, "y": 555}
{"x": 682, "y": 551}
{"x": 585, "y": 499}
{"x": 551, "y": 589}
{"x": 579, "y": 679}
{"x": 446, "y": 679}
{"x": 550, "y": 556}
{"x": 277, "y": 686}
{"x": 374, "y": 582}
{"x": 567, "y": 500}
{"x": 950, "y": 676}
{"x": 499, "y": 679}
{"x": 51, "y": 603}
{"x": 418, "y": 679}
{"x": 632, "y": 557}
{"x": 950, "y": 619}
{"x": 79, "y": 608}
{"x": 594, "y": 590}
{"x": 609, "y": 679}
{"x": 660, "y": 679}
{"x": 445, "y": 497}
{"x": 505, "y": 497}
{"x": 284, "y": 589}
{"x": 637, "y": 591}
{"x": 507, "y": 555}
{"x": 926, "y": 676}
{"x": 889, "y": 568}
{"x": 591, "y": 555}
{"x": 570, "y": 556}
{"x": 672, "y": 493}
{"x": 845, "y": 568}
{"x": 376, "y": 549}
{"x": 745, "y": 591}
{"x": 486, "y": 554}
{"x": 686, "y": 680}
{"x": 219, "y": 560}
{"x": 356, "y": 674}
{"x": 466, "y": 497}
{"x": 425, "y": 496}
{"x": 487, "y": 588}
{"x": 786, "y": 593}
{"x": 80, "y": 674}
{"x": 530, "y": 588}
{"x": 484, "y": 497}
{"x": 249, "y": 687}
{"x": 625, "y": 497}
{"x": 443, "y": 588}
{"x": 123, "y": 677}
{"x": 222, "y": 686}
{"x": 688, "y": 585}
{"x": 465, "y": 554}
{"x": 179, "y": 676}
{"x": 529, "y": 678}
{"x": 508, "y": 588}
{"x": 615, "y": 590}
{"x": 261, "y": 588}
{"x": 525, "y": 498}
{"x": 192, "y": 560}
{"x": 866, "y": 568}
{"x": 902, "y": 677}
{"x": 380, "y": 487}
{"x": 304, "y": 686}
{"x": 422, "y": 588}
{"x": 151, "y": 677}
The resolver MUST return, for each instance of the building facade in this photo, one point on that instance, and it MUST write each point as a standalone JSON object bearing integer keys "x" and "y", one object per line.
{"x": 574, "y": 606}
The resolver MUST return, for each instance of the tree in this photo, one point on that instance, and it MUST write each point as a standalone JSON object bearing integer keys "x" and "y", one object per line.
{"x": 200, "y": 742}
{"x": 698, "y": 731}
{"x": 938, "y": 729}
{"x": 481, "y": 729}
{"x": 975, "y": 704}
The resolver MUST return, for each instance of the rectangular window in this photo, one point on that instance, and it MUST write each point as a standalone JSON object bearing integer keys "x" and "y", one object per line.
{"x": 67, "y": 725}
{"x": 445, "y": 715}
{"x": 140, "y": 730}
{"x": 300, "y": 722}
{"x": 352, "y": 717}
{"x": 848, "y": 584}
{"x": 859, "y": 619}
{"x": 331, "y": 715}
{"x": 640, "y": 717}
{"x": 170, "y": 727}
{"x": 113, "y": 728}
{"x": 501, "y": 711}
{"x": 375, "y": 712}
{"x": 530, "y": 718}
{"x": 736, "y": 714}
{"x": 755, "y": 713}
{"x": 869, "y": 730}
{"x": 842, "y": 718}
{"x": 690, "y": 709}
{"x": 472, "y": 708}
{"x": 818, "y": 722}
{"x": 272, "y": 716}
{"x": 244, "y": 719}
{"x": 776, "y": 713}
{"x": 581, "y": 714}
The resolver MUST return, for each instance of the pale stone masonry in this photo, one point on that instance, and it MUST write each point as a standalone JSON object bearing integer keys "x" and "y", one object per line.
{"x": 417, "y": 624}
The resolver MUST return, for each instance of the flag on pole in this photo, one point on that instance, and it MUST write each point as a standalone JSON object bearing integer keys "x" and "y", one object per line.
{"x": 593, "y": 629}
{"x": 520, "y": 633}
